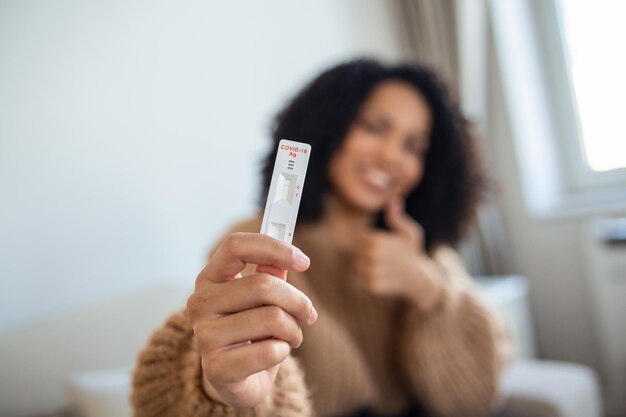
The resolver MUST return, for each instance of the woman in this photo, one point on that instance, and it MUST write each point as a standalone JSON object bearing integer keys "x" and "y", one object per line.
{"x": 378, "y": 316}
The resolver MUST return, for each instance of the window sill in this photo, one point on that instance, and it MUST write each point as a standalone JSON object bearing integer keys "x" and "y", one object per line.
{"x": 582, "y": 203}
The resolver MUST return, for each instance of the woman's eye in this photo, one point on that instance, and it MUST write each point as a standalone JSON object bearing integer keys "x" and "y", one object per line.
{"x": 415, "y": 148}
{"x": 372, "y": 127}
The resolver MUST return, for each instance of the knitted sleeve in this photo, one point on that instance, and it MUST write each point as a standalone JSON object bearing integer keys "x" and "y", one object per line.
{"x": 167, "y": 381}
{"x": 454, "y": 352}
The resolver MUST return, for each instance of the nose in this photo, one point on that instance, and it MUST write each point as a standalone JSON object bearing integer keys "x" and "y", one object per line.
{"x": 390, "y": 151}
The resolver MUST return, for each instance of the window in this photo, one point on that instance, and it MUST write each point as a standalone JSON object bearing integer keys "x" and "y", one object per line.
{"x": 563, "y": 75}
{"x": 585, "y": 69}
{"x": 592, "y": 34}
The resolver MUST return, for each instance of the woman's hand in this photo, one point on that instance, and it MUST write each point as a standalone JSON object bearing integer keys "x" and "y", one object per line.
{"x": 395, "y": 263}
{"x": 246, "y": 326}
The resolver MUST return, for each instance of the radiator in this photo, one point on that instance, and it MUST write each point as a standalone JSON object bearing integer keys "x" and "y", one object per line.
{"x": 606, "y": 241}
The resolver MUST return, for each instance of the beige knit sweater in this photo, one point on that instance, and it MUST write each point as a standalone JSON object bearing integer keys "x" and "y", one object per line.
{"x": 363, "y": 351}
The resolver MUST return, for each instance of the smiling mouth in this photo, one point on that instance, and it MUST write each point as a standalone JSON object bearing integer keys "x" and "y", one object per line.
{"x": 377, "y": 178}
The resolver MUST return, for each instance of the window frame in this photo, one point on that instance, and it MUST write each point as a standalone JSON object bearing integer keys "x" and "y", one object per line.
{"x": 554, "y": 176}
{"x": 576, "y": 172}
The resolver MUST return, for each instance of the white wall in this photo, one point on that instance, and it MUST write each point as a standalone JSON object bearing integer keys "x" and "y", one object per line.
{"x": 130, "y": 138}
{"x": 131, "y": 131}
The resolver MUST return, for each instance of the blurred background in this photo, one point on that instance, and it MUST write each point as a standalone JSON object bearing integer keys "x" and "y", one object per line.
{"x": 131, "y": 134}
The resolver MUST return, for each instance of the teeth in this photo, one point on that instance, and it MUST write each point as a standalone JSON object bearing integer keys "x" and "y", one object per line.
{"x": 378, "y": 177}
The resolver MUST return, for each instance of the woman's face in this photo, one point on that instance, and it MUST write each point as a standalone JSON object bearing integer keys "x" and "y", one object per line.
{"x": 383, "y": 153}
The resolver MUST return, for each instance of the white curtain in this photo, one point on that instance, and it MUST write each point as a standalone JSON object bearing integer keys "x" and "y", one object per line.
{"x": 430, "y": 30}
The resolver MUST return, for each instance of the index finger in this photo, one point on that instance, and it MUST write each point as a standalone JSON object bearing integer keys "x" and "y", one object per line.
{"x": 399, "y": 221}
{"x": 239, "y": 249}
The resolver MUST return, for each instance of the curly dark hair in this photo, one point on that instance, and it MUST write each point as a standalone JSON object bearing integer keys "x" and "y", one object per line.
{"x": 443, "y": 203}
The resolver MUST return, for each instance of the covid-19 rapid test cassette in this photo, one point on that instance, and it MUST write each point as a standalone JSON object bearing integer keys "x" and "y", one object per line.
{"x": 283, "y": 199}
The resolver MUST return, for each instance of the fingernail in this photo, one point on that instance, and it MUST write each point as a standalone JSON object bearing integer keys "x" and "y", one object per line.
{"x": 313, "y": 316}
{"x": 301, "y": 260}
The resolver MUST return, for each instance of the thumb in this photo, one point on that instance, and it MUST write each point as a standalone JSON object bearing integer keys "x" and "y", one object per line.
{"x": 400, "y": 222}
